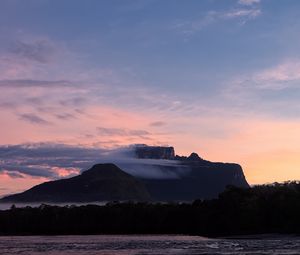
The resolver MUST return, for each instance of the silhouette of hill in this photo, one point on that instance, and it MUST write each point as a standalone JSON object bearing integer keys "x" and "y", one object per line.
{"x": 103, "y": 182}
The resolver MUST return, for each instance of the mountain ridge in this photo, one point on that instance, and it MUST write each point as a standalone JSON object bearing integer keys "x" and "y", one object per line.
{"x": 102, "y": 182}
{"x": 187, "y": 179}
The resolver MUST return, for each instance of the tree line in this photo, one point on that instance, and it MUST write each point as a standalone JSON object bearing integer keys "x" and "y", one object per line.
{"x": 273, "y": 208}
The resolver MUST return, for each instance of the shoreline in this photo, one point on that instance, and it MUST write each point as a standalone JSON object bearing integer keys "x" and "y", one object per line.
{"x": 267, "y": 236}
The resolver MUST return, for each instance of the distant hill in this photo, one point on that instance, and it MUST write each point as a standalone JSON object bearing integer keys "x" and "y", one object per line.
{"x": 103, "y": 182}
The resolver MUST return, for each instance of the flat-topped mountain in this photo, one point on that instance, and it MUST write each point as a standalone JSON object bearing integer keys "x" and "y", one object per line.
{"x": 191, "y": 178}
{"x": 154, "y": 152}
{"x": 103, "y": 182}
{"x": 155, "y": 174}
{"x": 204, "y": 180}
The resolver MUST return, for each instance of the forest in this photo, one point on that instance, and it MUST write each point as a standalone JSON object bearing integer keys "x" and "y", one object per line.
{"x": 273, "y": 208}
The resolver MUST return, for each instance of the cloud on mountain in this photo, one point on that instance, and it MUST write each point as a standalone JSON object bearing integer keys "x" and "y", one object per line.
{"x": 54, "y": 161}
{"x": 41, "y": 160}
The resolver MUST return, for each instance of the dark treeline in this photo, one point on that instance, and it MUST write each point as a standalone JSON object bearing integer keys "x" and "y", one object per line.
{"x": 262, "y": 209}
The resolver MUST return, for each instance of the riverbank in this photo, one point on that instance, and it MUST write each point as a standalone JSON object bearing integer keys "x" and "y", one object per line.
{"x": 258, "y": 210}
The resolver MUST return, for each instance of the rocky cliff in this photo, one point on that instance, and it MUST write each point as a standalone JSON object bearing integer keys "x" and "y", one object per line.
{"x": 154, "y": 152}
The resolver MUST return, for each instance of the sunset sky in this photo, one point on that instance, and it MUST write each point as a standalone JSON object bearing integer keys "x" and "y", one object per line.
{"x": 218, "y": 77}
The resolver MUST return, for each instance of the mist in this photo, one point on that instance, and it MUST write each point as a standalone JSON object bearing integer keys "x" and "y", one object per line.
{"x": 49, "y": 159}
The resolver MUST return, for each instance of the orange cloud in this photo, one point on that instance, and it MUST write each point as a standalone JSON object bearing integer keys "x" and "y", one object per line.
{"x": 267, "y": 149}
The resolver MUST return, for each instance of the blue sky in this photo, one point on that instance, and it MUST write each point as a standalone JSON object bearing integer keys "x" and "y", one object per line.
{"x": 162, "y": 44}
{"x": 220, "y": 77}
{"x": 191, "y": 48}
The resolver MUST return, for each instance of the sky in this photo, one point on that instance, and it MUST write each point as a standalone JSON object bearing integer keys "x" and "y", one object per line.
{"x": 216, "y": 77}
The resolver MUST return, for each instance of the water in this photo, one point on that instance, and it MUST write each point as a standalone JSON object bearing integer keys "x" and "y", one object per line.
{"x": 144, "y": 245}
{"x": 6, "y": 206}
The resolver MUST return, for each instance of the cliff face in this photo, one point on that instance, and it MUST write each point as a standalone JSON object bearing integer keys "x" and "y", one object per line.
{"x": 154, "y": 152}
{"x": 200, "y": 179}
{"x": 203, "y": 181}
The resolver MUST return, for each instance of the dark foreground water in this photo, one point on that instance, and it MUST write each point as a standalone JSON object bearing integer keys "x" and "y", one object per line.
{"x": 133, "y": 245}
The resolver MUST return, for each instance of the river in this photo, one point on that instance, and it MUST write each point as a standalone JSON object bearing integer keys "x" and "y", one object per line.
{"x": 143, "y": 245}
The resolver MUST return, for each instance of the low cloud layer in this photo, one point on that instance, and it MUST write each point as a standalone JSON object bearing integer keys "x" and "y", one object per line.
{"x": 54, "y": 161}
{"x": 45, "y": 160}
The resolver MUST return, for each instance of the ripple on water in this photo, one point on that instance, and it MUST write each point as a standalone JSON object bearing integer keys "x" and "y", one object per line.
{"x": 143, "y": 245}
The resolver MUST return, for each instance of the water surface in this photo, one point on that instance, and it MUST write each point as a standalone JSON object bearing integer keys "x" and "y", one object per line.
{"x": 138, "y": 245}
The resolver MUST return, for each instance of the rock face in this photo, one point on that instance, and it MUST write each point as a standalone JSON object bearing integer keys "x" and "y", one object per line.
{"x": 154, "y": 152}
{"x": 205, "y": 180}
{"x": 199, "y": 179}
{"x": 103, "y": 182}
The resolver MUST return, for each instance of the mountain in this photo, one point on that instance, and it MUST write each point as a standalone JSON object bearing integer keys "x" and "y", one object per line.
{"x": 155, "y": 174}
{"x": 196, "y": 178}
{"x": 203, "y": 180}
{"x": 103, "y": 182}
{"x": 154, "y": 152}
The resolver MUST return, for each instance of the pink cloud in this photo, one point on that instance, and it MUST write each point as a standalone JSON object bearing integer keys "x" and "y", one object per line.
{"x": 279, "y": 76}
{"x": 11, "y": 185}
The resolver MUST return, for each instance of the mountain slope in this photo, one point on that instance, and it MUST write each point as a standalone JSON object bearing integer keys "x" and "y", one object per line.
{"x": 103, "y": 182}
